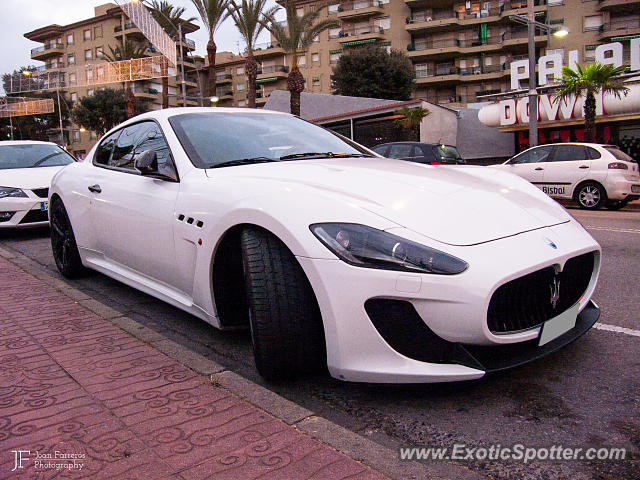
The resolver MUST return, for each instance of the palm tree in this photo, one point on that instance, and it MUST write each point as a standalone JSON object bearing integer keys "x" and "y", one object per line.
{"x": 412, "y": 118}
{"x": 594, "y": 78}
{"x": 249, "y": 21}
{"x": 294, "y": 38}
{"x": 212, "y": 13}
{"x": 126, "y": 50}
{"x": 169, "y": 17}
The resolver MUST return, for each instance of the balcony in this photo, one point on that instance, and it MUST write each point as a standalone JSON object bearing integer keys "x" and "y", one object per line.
{"x": 519, "y": 7}
{"x": 619, "y": 5}
{"x": 222, "y": 78}
{"x": 261, "y": 98}
{"x": 187, "y": 42}
{"x": 267, "y": 49}
{"x": 47, "y": 51}
{"x": 452, "y": 46}
{"x": 188, "y": 81}
{"x": 617, "y": 28}
{"x": 359, "y": 8}
{"x": 360, "y": 35}
{"x": 272, "y": 73}
{"x": 224, "y": 94}
{"x": 454, "y": 75}
{"x": 145, "y": 93}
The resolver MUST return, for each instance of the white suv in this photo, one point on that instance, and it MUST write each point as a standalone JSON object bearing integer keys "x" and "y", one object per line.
{"x": 591, "y": 174}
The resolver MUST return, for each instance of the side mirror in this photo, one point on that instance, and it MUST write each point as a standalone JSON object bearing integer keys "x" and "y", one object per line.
{"x": 147, "y": 162}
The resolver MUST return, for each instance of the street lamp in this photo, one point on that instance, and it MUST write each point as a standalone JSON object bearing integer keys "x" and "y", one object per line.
{"x": 214, "y": 101}
{"x": 530, "y": 22}
{"x": 26, "y": 73}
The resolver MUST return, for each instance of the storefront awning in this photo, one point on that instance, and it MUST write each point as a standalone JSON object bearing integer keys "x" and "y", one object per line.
{"x": 358, "y": 42}
{"x": 621, "y": 39}
{"x": 267, "y": 80}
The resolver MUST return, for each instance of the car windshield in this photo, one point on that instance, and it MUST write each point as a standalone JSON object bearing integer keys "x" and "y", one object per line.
{"x": 237, "y": 138}
{"x": 619, "y": 154}
{"x": 447, "y": 151}
{"x": 35, "y": 155}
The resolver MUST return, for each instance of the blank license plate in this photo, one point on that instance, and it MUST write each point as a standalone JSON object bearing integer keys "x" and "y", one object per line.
{"x": 44, "y": 206}
{"x": 555, "y": 327}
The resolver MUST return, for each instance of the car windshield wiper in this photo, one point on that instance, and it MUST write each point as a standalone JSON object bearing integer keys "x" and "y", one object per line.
{"x": 323, "y": 155}
{"x": 244, "y": 161}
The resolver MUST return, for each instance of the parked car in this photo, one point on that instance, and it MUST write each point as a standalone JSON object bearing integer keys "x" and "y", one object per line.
{"x": 382, "y": 271}
{"x": 26, "y": 170}
{"x": 593, "y": 175}
{"x": 429, "y": 153}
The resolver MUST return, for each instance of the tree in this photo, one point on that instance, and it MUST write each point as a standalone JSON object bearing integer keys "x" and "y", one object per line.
{"x": 412, "y": 119}
{"x": 249, "y": 20}
{"x": 370, "y": 71}
{"x": 127, "y": 50}
{"x": 212, "y": 13}
{"x": 169, "y": 18}
{"x": 294, "y": 38}
{"x": 594, "y": 78}
{"x": 104, "y": 110}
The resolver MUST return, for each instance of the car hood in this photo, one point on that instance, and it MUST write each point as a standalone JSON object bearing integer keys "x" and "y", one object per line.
{"x": 28, "y": 178}
{"x": 457, "y": 205}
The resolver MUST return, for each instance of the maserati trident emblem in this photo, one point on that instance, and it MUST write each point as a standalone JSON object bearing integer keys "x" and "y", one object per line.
{"x": 550, "y": 242}
{"x": 555, "y": 292}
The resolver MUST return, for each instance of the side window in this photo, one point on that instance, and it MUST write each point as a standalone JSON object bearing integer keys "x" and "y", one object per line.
{"x": 151, "y": 138}
{"x": 569, "y": 153}
{"x": 593, "y": 153}
{"x": 380, "y": 150}
{"x": 534, "y": 155}
{"x": 400, "y": 151}
{"x": 122, "y": 156}
{"x": 103, "y": 152}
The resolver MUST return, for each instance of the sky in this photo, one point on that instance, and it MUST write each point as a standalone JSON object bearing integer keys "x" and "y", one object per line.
{"x": 21, "y": 16}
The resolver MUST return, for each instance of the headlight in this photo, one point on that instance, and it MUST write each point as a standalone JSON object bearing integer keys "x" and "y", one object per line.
{"x": 364, "y": 246}
{"x": 11, "y": 192}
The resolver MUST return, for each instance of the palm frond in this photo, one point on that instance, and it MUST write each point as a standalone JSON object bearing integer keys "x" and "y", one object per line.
{"x": 212, "y": 13}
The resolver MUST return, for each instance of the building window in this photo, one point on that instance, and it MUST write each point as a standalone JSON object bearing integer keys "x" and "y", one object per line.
{"x": 316, "y": 38}
{"x": 316, "y": 81}
{"x": 593, "y": 22}
{"x": 90, "y": 92}
{"x": 302, "y": 60}
{"x": 99, "y": 52}
{"x": 334, "y": 32}
{"x": 334, "y": 57}
{"x": 315, "y": 57}
{"x": 240, "y": 87}
{"x": 88, "y": 54}
{"x": 74, "y": 97}
{"x": 553, "y": 51}
{"x": 71, "y": 58}
{"x": 89, "y": 75}
{"x": 300, "y": 11}
{"x": 334, "y": 8}
{"x": 72, "y": 78}
{"x": 70, "y": 39}
{"x": 76, "y": 135}
{"x": 100, "y": 72}
{"x": 97, "y": 31}
{"x": 421, "y": 70}
{"x": 382, "y": 22}
{"x": 240, "y": 71}
{"x": 93, "y": 135}
{"x": 86, "y": 34}
{"x": 242, "y": 103}
{"x": 488, "y": 61}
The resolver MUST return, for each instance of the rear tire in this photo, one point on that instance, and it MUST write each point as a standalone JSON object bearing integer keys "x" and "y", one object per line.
{"x": 286, "y": 325}
{"x": 591, "y": 196}
{"x": 63, "y": 242}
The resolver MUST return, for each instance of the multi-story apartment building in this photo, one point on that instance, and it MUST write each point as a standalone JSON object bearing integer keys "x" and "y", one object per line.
{"x": 460, "y": 49}
{"x": 84, "y": 42}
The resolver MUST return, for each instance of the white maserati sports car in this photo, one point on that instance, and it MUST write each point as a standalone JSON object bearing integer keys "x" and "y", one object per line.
{"x": 333, "y": 257}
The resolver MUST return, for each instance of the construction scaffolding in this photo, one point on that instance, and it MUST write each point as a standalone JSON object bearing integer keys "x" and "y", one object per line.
{"x": 20, "y": 106}
{"x": 89, "y": 75}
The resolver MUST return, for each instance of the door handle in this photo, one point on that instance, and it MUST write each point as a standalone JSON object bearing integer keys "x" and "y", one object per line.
{"x": 95, "y": 188}
{"x": 539, "y": 168}
{"x": 583, "y": 166}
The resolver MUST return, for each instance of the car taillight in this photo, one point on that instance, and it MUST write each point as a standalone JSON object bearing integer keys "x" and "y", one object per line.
{"x": 435, "y": 163}
{"x": 618, "y": 166}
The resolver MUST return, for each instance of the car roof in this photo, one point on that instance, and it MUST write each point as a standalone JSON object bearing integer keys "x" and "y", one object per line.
{"x": 413, "y": 143}
{"x": 25, "y": 142}
{"x": 172, "y": 112}
{"x": 577, "y": 143}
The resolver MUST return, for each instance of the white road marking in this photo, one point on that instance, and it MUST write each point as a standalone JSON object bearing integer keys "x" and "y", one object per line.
{"x": 613, "y": 229}
{"x": 615, "y": 328}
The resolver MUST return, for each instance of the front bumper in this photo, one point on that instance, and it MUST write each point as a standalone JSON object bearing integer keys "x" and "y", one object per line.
{"x": 27, "y": 211}
{"x": 453, "y": 308}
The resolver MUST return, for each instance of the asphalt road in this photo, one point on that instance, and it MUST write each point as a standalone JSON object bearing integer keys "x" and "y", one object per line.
{"x": 586, "y": 395}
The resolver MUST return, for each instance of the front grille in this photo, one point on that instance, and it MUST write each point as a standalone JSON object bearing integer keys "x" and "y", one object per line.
{"x": 34, "y": 216}
{"x": 41, "y": 192}
{"x": 526, "y": 302}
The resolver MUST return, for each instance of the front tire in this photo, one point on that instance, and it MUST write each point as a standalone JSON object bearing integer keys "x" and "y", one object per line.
{"x": 63, "y": 242}
{"x": 286, "y": 325}
{"x": 591, "y": 196}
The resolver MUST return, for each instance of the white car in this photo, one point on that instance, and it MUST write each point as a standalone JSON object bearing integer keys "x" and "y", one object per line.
{"x": 26, "y": 170}
{"x": 593, "y": 175}
{"x": 382, "y": 271}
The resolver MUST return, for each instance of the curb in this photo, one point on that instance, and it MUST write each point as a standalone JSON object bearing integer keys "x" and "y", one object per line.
{"x": 354, "y": 445}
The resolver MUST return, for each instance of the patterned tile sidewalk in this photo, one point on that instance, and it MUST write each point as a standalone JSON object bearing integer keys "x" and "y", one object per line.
{"x": 74, "y": 383}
